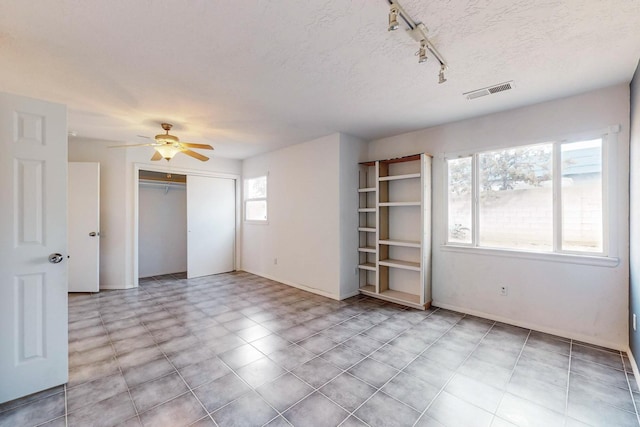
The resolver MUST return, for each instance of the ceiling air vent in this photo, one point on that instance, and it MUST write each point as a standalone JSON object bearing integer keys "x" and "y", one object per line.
{"x": 500, "y": 87}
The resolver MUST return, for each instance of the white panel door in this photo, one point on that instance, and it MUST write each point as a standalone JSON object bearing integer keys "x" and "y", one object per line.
{"x": 84, "y": 226}
{"x": 33, "y": 246}
{"x": 211, "y": 225}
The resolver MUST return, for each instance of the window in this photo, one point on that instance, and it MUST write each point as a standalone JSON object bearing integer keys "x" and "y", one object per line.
{"x": 541, "y": 198}
{"x": 255, "y": 199}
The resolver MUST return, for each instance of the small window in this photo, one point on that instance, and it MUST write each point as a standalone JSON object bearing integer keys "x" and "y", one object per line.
{"x": 255, "y": 199}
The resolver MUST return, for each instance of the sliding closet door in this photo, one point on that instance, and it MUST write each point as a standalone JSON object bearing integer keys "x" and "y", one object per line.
{"x": 211, "y": 225}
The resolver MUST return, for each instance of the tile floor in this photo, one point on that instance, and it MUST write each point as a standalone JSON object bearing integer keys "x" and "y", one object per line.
{"x": 240, "y": 350}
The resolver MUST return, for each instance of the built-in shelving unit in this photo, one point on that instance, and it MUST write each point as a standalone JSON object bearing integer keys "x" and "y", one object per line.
{"x": 395, "y": 230}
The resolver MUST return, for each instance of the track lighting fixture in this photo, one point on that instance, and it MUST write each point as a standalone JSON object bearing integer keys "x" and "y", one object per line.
{"x": 393, "y": 18}
{"x": 422, "y": 52}
{"x": 441, "y": 78}
{"x": 418, "y": 31}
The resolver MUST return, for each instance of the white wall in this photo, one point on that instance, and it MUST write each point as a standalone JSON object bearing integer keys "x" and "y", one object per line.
{"x": 304, "y": 216}
{"x": 162, "y": 229}
{"x": 117, "y": 187}
{"x": 585, "y": 302}
{"x": 634, "y": 263}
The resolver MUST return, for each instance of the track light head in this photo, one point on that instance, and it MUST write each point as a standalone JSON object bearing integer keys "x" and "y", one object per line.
{"x": 422, "y": 52}
{"x": 441, "y": 78}
{"x": 393, "y": 18}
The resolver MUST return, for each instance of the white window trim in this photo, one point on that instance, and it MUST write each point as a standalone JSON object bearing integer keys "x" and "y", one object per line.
{"x": 256, "y": 199}
{"x": 607, "y": 258}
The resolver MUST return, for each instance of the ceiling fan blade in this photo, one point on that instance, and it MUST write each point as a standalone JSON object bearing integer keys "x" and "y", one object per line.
{"x": 200, "y": 146}
{"x": 131, "y": 145}
{"x": 156, "y": 156}
{"x": 195, "y": 155}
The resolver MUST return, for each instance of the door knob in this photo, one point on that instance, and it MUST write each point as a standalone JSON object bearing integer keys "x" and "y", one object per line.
{"x": 55, "y": 258}
{"x": 94, "y": 234}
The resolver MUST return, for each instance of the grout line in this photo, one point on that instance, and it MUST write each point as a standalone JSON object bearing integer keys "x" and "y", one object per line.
{"x": 66, "y": 410}
{"x": 449, "y": 380}
{"x": 511, "y": 374}
{"x": 352, "y": 413}
{"x": 190, "y": 390}
{"x": 344, "y": 371}
{"x": 566, "y": 402}
{"x": 626, "y": 374}
{"x": 513, "y": 370}
{"x": 115, "y": 354}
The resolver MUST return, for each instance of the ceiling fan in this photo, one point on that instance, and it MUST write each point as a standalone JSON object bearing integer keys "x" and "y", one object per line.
{"x": 167, "y": 146}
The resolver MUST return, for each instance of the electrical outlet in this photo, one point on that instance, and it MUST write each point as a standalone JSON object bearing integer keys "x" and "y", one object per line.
{"x": 275, "y": 261}
{"x": 634, "y": 321}
{"x": 504, "y": 291}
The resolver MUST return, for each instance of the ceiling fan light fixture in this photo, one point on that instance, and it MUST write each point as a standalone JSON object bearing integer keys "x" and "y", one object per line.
{"x": 167, "y": 138}
{"x": 393, "y": 18}
{"x": 167, "y": 151}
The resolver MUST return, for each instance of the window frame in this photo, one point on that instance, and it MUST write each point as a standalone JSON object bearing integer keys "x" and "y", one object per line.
{"x": 247, "y": 199}
{"x": 608, "y": 255}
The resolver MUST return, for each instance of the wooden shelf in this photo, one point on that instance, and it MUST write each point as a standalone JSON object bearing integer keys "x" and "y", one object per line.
{"x": 398, "y": 297}
{"x": 369, "y": 249}
{"x": 369, "y": 290}
{"x": 405, "y": 265}
{"x": 402, "y": 298}
{"x": 367, "y": 266}
{"x": 400, "y": 272}
{"x": 366, "y": 190}
{"x": 396, "y": 177}
{"x": 400, "y": 204}
{"x": 403, "y": 243}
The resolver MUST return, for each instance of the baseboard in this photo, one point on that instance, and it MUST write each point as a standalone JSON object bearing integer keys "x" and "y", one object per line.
{"x": 298, "y": 285}
{"x": 533, "y": 326}
{"x": 634, "y": 367}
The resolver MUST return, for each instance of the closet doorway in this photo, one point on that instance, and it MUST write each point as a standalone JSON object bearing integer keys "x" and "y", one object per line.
{"x": 162, "y": 224}
{"x": 185, "y": 222}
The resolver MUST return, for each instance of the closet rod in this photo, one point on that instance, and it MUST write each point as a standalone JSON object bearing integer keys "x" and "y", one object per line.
{"x": 161, "y": 183}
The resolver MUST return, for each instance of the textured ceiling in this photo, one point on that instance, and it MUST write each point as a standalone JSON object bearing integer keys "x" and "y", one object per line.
{"x": 253, "y": 76}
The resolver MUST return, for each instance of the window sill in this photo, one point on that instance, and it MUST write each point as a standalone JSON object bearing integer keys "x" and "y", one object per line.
{"x": 597, "y": 261}
{"x": 256, "y": 222}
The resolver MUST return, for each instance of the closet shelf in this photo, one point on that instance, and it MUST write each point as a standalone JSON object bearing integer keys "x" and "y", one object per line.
{"x": 362, "y": 210}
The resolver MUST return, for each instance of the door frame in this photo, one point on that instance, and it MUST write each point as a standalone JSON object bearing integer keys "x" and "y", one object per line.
{"x": 137, "y": 167}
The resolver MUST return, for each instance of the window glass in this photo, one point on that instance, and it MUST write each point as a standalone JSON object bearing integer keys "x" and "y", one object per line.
{"x": 581, "y": 167}
{"x": 516, "y": 198}
{"x": 256, "y": 187}
{"x": 460, "y": 199}
{"x": 255, "y": 199}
